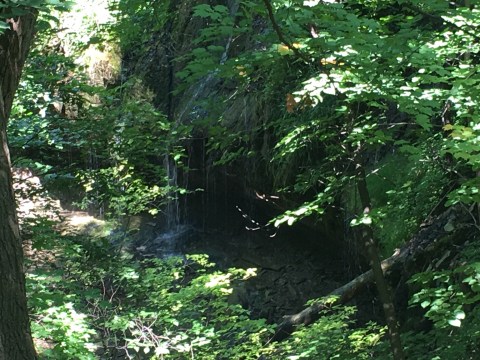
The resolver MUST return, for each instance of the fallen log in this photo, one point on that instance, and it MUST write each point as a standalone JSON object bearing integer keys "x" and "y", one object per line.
{"x": 431, "y": 238}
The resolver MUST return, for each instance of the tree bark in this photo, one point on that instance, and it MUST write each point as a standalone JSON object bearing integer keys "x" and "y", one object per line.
{"x": 15, "y": 337}
{"x": 370, "y": 244}
{"x": 429, "y": 240}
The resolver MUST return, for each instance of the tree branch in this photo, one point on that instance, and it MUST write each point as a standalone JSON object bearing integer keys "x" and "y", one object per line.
{"x": 279, "y": 33}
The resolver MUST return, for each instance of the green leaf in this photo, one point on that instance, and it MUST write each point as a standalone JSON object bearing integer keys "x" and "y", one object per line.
{"x": 455, "y": 322}
{"x": 367, "y": 220}
{"x": 425, "y": 303}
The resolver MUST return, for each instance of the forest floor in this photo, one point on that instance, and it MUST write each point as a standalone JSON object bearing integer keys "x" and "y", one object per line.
{"x": 38, "y": 209}
{"x": 34, "y": 201}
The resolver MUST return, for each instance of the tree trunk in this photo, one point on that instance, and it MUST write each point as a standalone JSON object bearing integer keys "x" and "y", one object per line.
{"x": 15, "y": 337}
{"x": 371, "y": 248}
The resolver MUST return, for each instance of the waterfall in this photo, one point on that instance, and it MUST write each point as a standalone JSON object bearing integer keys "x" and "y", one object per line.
{"x": 176, "y": 228}
{"x": 169, "y": 242}
{"x": 172, "y": 211}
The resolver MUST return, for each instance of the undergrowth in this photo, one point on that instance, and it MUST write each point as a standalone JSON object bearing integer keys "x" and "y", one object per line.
{"x": 91, "y": 300}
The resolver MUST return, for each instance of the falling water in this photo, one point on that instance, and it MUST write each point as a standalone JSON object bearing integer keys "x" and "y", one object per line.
{"x": 172, "y": 211}
{"x": 169, "y": 242}
{"x": 176, "y": 231}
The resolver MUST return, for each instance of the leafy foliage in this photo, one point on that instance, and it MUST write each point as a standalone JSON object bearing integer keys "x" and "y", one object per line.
{"x": 63, "y": 120}
{"x": 136, "y": 20}
{"x": 13, "y": 8}
{"x": 402, "y": 204}
{"x": 155, "y": 307}
{"x": 390, "y": 86}
{"x": 450, "y": 298}
{"x": 365, "y": 80}
{"x": 331, "y": 337}
{"x": 95, "y": 302}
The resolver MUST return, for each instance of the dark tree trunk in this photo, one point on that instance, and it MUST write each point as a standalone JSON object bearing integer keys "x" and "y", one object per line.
{"x": 384, "y": 292}
{"x": 15, "y": 338}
